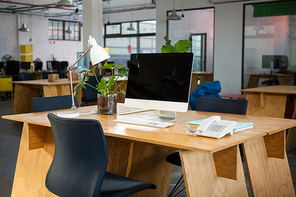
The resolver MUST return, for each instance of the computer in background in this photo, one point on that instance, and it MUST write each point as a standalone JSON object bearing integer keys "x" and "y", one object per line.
{"x": 49, "y": 65}
{"x": 1, "y": 66}
{"x": 26, "y": 66}
{"x": 38, "y": 66}
{"x": 160, "y": 81}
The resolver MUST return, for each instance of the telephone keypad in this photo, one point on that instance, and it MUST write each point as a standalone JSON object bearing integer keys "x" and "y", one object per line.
{"x": 217, "y": 128}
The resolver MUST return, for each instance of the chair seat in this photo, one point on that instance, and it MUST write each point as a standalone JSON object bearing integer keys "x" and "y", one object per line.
{"x": 115, "y": 185}
{"x": 174, "y": 158}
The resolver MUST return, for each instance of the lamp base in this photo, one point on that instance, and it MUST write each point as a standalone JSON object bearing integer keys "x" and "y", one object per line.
{"x": 68, "y": 114}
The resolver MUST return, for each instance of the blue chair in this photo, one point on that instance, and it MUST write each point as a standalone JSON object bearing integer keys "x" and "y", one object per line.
{"x": 53, "y": 103}
{"x": 79, "y": 164}
{"x": 210, "y": 104}
{"x": 90, "y": 94}
{"x": 26, "y": 76}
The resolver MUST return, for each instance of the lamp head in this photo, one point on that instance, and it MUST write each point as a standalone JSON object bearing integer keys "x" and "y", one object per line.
{"x": 97, "y": 53}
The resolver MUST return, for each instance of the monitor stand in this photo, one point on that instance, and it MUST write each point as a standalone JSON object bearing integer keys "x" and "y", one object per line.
{"x": 166, "y": 116}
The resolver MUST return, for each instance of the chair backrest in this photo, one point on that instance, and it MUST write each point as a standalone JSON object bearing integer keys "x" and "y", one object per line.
{"x": 26, "y": 76}
{"x": 12, "y": 67}
{"x": 53, "y": 103}
{"x": 232, "y": 106}
{"x": 90, "y": 94}
{"x": 80, "y": 158}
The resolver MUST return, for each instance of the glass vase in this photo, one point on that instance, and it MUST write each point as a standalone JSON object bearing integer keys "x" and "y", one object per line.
{"x": 107, "y": 105}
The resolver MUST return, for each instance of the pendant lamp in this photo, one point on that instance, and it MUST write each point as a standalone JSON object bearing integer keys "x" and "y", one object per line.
{"x": 24, "y": 28}
{"x": 69, "y": 31}
{"x": 174, "y": 15}
{"x": 131, "y": 28}
{"x": 65, "y": 3}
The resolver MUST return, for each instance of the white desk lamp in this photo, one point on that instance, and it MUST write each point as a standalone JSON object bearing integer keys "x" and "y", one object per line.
{"x": 97, "y": 55}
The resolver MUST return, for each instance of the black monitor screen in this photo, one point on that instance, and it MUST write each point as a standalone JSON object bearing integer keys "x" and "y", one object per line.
{"x": 160, "y": 76}
{"x": 1, "y": 65}
{"x": 277, "y": 61}
{"x": 38, "y": 66}
{"x": 26, "y": 65}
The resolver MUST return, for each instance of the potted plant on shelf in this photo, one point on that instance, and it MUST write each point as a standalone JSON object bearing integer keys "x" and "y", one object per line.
{"x": 107, "y": 90}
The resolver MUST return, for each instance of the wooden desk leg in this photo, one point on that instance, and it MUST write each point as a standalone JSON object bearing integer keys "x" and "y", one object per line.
{"x": 194, "y": 81}
{"x": 22, "y": 98}
{"x": 253, "y": 82}
{"x": 291, "y": 135}
{"x": 271, "y": 105}
{"x": 56, "y": 90}
{"x": 32, "y": 165}
{"x": 201, "y": 177}
{"x": 269, "y": 176}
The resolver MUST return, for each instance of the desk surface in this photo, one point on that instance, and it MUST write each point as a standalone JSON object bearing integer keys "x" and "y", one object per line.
{"x": 174, "y": 136}
{"x": 44, "y": 82}
{"x": 278, "y": 89}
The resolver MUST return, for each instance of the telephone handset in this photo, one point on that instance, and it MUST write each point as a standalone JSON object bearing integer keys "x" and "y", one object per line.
{"x": 214, "y": 127}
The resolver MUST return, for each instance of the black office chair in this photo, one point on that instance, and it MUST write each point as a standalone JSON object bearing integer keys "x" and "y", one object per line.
{"x": 208, "y": 104}
{"x": 26, "y": 76}
{"x": 79, "y": 164}
{"x": 13, "y": 69}
{"x": 53, "y": 103}
{"x": 90, "y": 94}
{"x": 63, "y": 69}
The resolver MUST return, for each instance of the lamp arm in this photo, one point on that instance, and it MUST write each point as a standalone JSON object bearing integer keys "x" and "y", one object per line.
{"x": 87, "y": 50}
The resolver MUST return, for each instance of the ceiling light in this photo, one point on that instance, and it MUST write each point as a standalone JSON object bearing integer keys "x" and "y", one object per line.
{"x": 174, "y": 15}
{"x": 69, "y": 31}
{"x": 258, "y": 27}
{"x": 131, "y": 28}
{"x": 24, "y": 28}
{"x": 65, "y": 3}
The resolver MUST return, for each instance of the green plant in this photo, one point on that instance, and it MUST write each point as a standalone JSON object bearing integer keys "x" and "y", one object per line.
{"x": 182, "y": 46}
{"x": 105, "y": 87}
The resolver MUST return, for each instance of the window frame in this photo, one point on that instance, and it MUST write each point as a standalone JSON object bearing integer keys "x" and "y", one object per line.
{"x": 64, "y": 29}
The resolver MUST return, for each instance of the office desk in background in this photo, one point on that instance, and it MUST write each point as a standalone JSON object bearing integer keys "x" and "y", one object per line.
{"x": 26, "y": 90}
{"x": 274, "y": 101}
{"x": 201, "y": 77}
{"x": 211, "y": 167}
{"x": 282, "y": 78}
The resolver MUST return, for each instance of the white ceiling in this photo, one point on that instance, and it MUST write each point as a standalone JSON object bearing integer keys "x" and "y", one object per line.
{"x": 47, "y": 8}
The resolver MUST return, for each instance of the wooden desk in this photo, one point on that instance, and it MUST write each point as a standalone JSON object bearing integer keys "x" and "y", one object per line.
{"x": 26, "y": 90}
{"x": 211, "y": 167}
{"x": 202, "y": 76}
{"x": 274, "y": 101}
{"x": 282, "y": 78}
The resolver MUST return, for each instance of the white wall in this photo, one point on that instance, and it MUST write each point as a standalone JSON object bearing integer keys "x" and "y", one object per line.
{"x": 42, "y": 47}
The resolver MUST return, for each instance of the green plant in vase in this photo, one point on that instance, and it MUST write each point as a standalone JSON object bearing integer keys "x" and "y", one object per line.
{"x": 107, "y": 90}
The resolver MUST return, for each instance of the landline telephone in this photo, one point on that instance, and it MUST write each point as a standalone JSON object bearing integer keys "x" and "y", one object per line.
{"x": 213, "y": 127}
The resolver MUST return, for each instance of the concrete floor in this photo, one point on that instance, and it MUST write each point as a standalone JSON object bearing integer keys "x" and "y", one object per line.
{"x": 9, "y": 143}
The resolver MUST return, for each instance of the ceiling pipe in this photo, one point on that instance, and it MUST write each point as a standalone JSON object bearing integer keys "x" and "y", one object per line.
{"x": 35, "y": 5}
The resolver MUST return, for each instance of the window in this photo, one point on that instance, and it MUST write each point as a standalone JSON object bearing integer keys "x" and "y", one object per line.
{"x": 197, "y": 26}
{"x": 122, "y": 42}
{"x": 269, "y": 41}
{"x": 58, "y": 30}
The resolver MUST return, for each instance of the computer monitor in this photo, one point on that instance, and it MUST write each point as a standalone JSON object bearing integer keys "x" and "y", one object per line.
{"x": 1, "y": 65}
{"x": 160, "y": 81}
{"x": 279, "y": 62}
{"x": 38, "y": 66}
{"x": 55, "y": 65}
{"x": 26, "y": 65}
{"x": 49, "y": 65}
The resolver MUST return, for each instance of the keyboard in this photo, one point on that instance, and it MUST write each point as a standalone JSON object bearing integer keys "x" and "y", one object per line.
{"x": 145, "y": 122}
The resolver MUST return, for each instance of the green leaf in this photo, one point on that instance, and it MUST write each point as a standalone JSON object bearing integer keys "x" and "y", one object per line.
{"x": 118, "y": 66}
{"x": 111, "y": 81}
{"x": 123, "y": 92}
{"x": 167, "y": 49}
{"x": 84, "y": 71}
{"x": 182, "y": 46}
{"x": 102, "y": 86}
